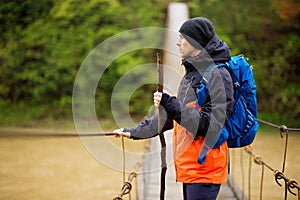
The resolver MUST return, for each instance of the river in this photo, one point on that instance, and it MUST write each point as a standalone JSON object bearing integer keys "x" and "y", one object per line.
{"x": 270, "y": 147}
{"x": 62, "y": 168}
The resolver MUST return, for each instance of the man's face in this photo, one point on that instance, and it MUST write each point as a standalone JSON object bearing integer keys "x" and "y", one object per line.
{"x": 185, "y": 48}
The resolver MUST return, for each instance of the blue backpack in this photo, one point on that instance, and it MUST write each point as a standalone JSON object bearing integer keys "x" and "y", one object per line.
{"x": 242, "y": 126}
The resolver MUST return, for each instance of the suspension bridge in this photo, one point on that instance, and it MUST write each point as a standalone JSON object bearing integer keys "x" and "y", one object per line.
{"x": 250, "y": 174}
{"x": 149, "y": 182}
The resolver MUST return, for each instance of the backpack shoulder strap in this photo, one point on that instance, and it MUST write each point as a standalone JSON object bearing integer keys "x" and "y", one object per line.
{"x": 208, "y": 73}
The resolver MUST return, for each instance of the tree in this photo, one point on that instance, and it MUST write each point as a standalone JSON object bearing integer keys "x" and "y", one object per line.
{"x": 44, "y": 43}
{"x": 268, "y": 33}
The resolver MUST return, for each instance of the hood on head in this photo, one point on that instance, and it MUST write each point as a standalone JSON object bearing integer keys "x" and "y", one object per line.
{"x": 197, "y": 31}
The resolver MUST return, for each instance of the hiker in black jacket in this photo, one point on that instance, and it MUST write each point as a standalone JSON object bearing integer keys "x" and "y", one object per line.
{"x": 200, "y": 48}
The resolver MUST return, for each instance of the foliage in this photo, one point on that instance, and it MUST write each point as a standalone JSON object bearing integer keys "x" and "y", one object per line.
{"x": 267, "y": 32}
{"x": 43, "y": 44}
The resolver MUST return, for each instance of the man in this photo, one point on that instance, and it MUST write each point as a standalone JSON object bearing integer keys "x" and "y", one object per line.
{"x": 196, "y": 128}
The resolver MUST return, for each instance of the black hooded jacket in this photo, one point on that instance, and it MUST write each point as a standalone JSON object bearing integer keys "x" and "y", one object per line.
{"x": 217, "y": 105}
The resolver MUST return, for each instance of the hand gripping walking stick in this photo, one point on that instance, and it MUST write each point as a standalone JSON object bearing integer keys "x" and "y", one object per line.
{"x": 160, "y": 131}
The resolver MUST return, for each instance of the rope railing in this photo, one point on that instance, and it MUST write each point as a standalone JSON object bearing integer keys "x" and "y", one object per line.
{"x": 281, "y": 127}
{"x": 290, "y": 184}
{"x": 283, "y": 130}
{"x": 52, "y": 135}
{"x": 278, "y": 175}
{"x": 127, "y": 185}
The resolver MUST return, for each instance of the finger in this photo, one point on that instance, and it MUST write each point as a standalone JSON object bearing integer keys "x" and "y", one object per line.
{"x": 119, "y": 132}
{"x": 156, "y": 102}
{"x": 126, "y": 134}
{"x": 157, "y": 94}
{"x": 157, "y": 98}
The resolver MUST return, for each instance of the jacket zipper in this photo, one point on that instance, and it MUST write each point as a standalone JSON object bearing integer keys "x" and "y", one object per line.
{"x": 188, "y": 88}
{"x": 183, "y": 100}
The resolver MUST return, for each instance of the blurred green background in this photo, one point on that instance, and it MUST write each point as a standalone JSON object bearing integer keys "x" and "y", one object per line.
{"x": 43, "y": 44}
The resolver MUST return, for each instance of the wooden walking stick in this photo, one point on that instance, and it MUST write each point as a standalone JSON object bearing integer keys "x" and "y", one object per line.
{"x": 160, "y": 131}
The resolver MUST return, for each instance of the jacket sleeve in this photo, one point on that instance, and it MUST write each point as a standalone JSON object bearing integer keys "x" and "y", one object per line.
{"x": 215, "y": 111}
{"x": 149, "y": 127}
